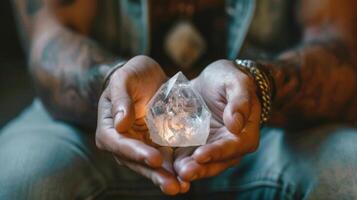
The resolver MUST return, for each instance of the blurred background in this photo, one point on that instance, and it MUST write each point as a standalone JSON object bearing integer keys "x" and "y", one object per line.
{"x": 15, "y": 85}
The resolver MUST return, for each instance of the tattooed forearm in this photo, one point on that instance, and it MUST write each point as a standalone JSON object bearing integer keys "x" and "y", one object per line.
{"x": 69, "y": 74}
{"x": 33, "y": 6}
{"x": 316, "y": 81}
{"x": 67, "y": 68}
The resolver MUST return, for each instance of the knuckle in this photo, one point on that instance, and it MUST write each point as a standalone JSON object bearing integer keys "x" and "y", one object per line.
{"x": 222, "y": 62}
{"x": 141, "y": 65}
{"x": 123, "y": 73}
{"x": 185, "y": 172}
{"x": 219, "y": 64}
{"x": 177, "y": 167}
{"x": 182, "y": 169}
{"x": 140, "y": 156}
{"x": 142, "y": 59}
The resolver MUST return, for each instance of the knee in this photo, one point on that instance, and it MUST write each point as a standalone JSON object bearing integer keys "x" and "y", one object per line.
{"x": 335, "y": 166}
{"x": 337, "y": 149}
{"x": 37, "y": 167}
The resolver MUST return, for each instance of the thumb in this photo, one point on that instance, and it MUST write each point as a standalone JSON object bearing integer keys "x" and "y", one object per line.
{"x": 237, "y": 110}
{"x": 123, "y": 110}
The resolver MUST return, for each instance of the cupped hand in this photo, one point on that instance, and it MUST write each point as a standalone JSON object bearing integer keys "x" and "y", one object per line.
{"x": 234, "y": 129}
{"x": 121, "y": 128}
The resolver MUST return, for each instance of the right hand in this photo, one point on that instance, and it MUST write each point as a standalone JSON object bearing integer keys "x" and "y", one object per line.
{"x": 121, "y": 128}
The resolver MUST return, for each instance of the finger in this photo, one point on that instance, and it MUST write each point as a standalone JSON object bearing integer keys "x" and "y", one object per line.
{"x": 104, "y": 118}
{"x": 108, "y": 139}
{"x": 237, "y": 110}
{"x": 251, "y": 133}
{"x": 182, "y": 154}
{"x": 167, "y": 153}
{"x": 128, "y": 148}
{"x": 224, "y": 148}
{"x": 184, "y": 185}
{"x": 123, "y": 110}
{"x": 189, "y": 170}
{"x": 230, "y": 146}
{"x": 160, "y": 177}
{"x": 146, "y": 77}
{"x": 213, "y": 169}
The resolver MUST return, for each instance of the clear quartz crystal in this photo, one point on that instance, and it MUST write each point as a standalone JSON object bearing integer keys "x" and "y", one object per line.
{"x": 177, "y": 116}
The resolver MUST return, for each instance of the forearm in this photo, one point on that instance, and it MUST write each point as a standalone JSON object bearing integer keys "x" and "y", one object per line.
{"x": 68, "y": 71}
{"x": 67, "y": 67}
{"x": 316, "y": 81}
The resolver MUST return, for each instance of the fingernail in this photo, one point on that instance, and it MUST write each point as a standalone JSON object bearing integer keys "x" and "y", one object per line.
{"x": 207, "y": 159}
{"x": 183, "y": 184}
{"x": 161, "y": 188}
{"x": 194, "y": 177}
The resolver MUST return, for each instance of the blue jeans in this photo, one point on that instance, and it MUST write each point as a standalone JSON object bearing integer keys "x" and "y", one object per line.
{"x": 45, "y": 159}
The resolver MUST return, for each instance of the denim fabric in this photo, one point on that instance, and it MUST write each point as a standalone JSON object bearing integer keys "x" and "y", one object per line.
{"x": 45, "y": 159}
{"x": 128, "y": 20}
{"x": 255, "y": 29}
{"x": 240, "y": 16}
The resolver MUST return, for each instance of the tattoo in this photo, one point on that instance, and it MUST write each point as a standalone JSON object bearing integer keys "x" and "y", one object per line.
{"x": 67, "y": 68}
{"x": 33, "y": 6}
{"x": 315, "y": 81}
{"x": 69, "y": 76}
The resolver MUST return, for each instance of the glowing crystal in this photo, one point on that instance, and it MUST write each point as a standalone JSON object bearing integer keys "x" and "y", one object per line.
{"x": 177, "y": 116}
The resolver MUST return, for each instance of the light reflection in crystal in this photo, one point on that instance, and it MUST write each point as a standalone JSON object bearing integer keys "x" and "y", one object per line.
{"x": 177, "y": 116}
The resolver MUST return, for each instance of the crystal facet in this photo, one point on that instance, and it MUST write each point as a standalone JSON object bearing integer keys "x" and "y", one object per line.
{"x": 177, "y": 116}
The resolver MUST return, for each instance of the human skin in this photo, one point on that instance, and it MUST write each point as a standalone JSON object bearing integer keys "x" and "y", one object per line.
{"x": 316, "y": 80}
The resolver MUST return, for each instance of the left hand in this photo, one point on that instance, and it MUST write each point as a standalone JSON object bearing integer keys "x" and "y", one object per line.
{"x": 234, "y": 131}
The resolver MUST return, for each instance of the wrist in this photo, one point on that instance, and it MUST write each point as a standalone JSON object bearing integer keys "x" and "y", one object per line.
{"x": 113, "y": 68}
{"x": 270, "y": 78}
{"x": 264, "y": 85}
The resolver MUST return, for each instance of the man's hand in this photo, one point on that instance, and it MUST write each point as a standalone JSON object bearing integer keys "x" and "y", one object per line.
{"x": 121, "y": 128}
{"x": 231, "y": 96}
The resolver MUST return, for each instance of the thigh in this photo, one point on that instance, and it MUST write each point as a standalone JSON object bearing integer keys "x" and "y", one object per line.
{"x": 46, "y": 159}
{"x": 332, "y": 158}
{"x": 261, "y": 175}
{"x": 320, "y": 163}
